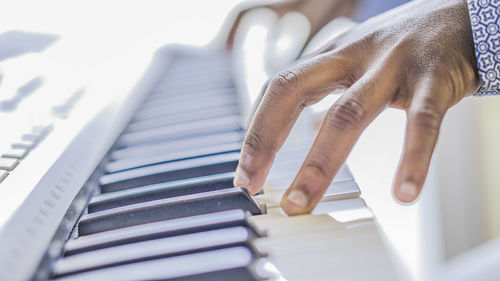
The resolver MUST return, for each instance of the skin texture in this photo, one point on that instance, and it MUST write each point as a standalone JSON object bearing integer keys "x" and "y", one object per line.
{"x": 418, "y": 58}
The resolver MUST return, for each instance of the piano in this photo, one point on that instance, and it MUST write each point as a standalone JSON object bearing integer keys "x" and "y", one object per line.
{"x": 138, "y": 186}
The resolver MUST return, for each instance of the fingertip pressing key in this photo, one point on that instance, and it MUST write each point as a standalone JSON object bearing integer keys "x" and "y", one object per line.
{"x": 241, "y": 178}
{"x": 295, "y": 203}
{"x": 298, "y": 198}
{"x": 252, "y": 171}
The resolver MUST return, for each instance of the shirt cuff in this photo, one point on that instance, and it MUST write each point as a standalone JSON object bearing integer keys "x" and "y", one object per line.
{"x": 485, "y": 16}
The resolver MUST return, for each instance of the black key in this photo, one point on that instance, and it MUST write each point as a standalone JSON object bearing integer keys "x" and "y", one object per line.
{"x": 167, "y": 209}
{"x": 160, "y": 229}
{"x": 183, "y": 130}
{"x": 156, "y": 248}
{"x": 229, "y": 264}
{"x": 183, "y": 169}
{"x": 141, "y": 194}
{"x": 126, "y": 164}
{"x": 202, "y": 114}
{"x": 141, "y": 151}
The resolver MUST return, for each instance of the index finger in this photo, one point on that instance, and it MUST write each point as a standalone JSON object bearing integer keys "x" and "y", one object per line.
{"x": 288, "y": 93}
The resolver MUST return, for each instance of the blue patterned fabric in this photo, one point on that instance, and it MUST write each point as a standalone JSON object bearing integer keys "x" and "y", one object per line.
{"x": 485, "y": 17}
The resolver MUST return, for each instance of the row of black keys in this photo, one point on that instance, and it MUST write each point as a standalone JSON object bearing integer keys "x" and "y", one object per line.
{"x": 166, "y": 209}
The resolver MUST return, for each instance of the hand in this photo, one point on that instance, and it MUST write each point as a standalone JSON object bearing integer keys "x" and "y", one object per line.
{"x": 318, "y": 12}
{"x": 418, "y": 58}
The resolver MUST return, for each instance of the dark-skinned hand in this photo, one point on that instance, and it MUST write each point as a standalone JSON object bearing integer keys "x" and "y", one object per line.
{"x": 418, "y": 58}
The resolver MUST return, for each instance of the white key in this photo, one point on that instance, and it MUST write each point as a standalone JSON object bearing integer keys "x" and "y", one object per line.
{"x": 30, "y": 137}
{"x": 3, "y": 175}
{"x": 18, "y": 153}
{"x": 25, "y": 144}
{"x": 8, "y": 164}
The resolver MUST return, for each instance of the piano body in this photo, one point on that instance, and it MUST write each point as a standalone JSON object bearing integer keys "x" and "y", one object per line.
{"x": 130, "y": 178}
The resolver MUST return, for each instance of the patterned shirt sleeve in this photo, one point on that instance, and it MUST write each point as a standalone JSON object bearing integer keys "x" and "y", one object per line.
{"x": 485, "y": 16}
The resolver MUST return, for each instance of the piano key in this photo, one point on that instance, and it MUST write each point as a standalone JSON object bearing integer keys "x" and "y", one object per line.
{"x": 190, "y": 59}
{"x": 24, "y": 144}
{"x": 3, "y": 175}
{"x": 147, "y": 150}
{"x": 337, "y": 191}
{"x": 199, "y": 60}
{"x": 279, "y": 176}
{"x": 156, "y": 248}
{"x": 173, "y": 105}
{"x": 184, "y": 107}
{"x": 141, "y": 194}
{"x": 156, "y": 109}
{"x": 125, "y": 164}
{"x": 193, "y": 86}
{"x": 189, "y": 116}
{"x": 195, "y": 128}
{"x": 41, "y": 128}
{"x": 162, "y": 94}
{"x": 194, "y": 78}
{"x": 185, "y": 63}
{"x": 167, "y": 209}
{"x": 167, "y": 100}
{"x": 160, "y": 229}
{"x": 187, "y": 77}
{"x": 31, "y": 136}
{"x": 229, "y": 264}
{"x": 8, "y": 164}
{"x": 173, "y": 96}
{"x": 17, "y": 153}
{"x": 182, "y": 169}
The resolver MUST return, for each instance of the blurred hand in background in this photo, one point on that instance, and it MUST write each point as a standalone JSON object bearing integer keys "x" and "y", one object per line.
{"x": 318, "y": 12}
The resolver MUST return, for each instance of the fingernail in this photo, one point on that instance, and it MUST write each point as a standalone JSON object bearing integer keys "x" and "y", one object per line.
{"x": 241, "y": 178}
{"x": 298, "y": 198}
{"x": 408, "y": 191}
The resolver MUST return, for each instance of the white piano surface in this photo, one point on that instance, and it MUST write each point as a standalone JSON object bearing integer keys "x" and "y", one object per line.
{"x": 113, "y": 32}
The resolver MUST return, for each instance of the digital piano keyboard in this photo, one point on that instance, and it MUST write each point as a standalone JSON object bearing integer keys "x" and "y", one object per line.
{"x": 142, "y": 190}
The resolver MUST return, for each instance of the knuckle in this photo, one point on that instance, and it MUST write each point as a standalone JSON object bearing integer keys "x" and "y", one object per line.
{"x": 428, "y": 117}
{"x": 318, "y": 166}
{"x": 287, "y": 81}
{"x": 254, "y": 142}
{"x": 345, "y": 115}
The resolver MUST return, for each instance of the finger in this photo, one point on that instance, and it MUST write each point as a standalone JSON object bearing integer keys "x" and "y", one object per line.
{"x": 341, "y": 128}
{"x": 278, "y": 6}
{"x": 234, "y": 28}
{"x": 282, "y": 103}
{"x": 425, "y": 115}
